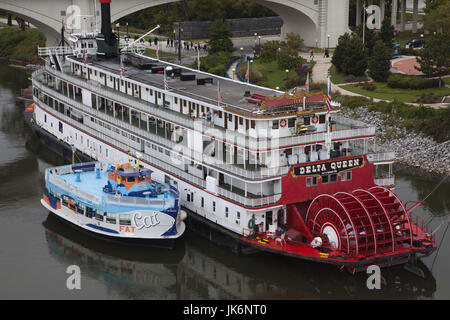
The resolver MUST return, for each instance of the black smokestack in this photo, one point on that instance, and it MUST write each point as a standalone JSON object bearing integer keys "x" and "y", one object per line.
{"x": 106, "y": 22}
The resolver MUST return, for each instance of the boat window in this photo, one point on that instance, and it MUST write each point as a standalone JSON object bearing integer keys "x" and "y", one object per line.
{"x": 275, "y": 124}
{"x": 99, "y": 215}
{"x": 333, "y": 177}
{"x": 125, "y": 219}
{"x": 111, "y": 218}
{"x": 130, "y": 179}
{"x": 141, "y": 178}
{"x": 89, "y": 212}
{"x": 325, "y": 179}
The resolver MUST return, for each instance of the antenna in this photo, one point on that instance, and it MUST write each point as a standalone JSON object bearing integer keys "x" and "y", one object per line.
{"x": 132, "y": 43}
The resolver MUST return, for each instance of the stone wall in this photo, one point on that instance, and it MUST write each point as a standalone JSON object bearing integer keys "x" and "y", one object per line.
{"x": 239, "y": 27}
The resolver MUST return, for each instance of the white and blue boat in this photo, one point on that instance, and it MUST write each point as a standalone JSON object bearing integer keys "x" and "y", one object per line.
{"x": 116, "y": 202}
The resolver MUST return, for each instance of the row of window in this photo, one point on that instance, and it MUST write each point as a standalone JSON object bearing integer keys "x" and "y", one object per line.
{"x": 89, "y": 212}
{"x": 329, "y": 178}
{"x": 186, "y": 107}
{"x": 190, "y": 198}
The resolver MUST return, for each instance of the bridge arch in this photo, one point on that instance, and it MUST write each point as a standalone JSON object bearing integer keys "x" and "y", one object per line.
{"x": 299, "y": 16}
{"x": 319, "y": 22}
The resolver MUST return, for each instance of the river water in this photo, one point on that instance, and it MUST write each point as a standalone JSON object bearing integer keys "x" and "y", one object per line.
{"x": 36, "y": 249}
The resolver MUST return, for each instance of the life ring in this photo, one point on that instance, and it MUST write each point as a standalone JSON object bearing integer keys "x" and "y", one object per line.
{"x": 283, "y": 123}
{"x": 315, "y": 119}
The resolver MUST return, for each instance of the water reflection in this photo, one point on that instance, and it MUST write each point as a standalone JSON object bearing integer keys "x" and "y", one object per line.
{"x": 199, "y": 270}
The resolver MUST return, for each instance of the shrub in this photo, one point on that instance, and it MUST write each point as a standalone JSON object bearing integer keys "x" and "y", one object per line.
{"x": 403, "y": 81}
{"x": 370, "y": 86}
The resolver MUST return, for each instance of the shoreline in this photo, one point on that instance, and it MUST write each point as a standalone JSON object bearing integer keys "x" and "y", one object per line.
{"x": 412, "y": 149}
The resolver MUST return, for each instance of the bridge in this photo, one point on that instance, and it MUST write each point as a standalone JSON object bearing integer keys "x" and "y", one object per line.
{"x": 319, "y": 22}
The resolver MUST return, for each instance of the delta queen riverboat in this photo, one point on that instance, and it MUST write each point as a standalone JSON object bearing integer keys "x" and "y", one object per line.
{"x": 116, "y": 202}
{"x": 257, "y": 169}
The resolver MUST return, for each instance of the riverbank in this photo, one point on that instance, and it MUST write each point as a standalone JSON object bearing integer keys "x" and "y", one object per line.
{"x": 411, "y": 148}
{"x": 20, "y": 47}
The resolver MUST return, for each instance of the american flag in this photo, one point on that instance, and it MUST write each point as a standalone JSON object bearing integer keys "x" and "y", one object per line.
{"x": 122, "y": 67}
{"x": 329, "y": 95}
{"x": 166, "y": 83}
{"x": 219, "y": 94}
{"x": 246, "y": 74}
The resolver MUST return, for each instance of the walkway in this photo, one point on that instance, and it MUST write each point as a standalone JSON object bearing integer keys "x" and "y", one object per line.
{"x": 406, "y": 65}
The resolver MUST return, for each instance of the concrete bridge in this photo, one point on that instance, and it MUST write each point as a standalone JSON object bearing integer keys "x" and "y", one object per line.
{"x": 319, "y": 22}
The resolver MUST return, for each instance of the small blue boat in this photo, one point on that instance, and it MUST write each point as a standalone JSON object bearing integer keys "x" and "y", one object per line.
{"x": 116, "y": 202}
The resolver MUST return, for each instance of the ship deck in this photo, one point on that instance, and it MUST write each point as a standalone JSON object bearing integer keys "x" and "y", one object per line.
{"x": 88, "y": 181}
{"x": 232, "y": 91}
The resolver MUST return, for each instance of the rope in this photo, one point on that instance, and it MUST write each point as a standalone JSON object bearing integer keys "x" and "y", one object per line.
{"x": 442, "y": 240}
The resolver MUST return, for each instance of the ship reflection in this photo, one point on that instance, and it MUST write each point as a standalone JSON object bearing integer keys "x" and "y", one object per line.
{"x": 197, "y": 269}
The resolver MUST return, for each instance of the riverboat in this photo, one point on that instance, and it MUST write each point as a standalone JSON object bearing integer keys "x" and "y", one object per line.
{"x": 256, "y": 168}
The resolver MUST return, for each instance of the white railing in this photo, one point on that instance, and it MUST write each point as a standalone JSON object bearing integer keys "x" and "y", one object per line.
{"x": 250, "y": 202}
{"x": 46, "y": 51}
{"x": 387, "y": 181}
{"x": 73, "y": 190}
{"x": 381, "y": 157}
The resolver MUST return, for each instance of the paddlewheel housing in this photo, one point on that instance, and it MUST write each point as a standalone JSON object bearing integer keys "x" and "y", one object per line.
{"x": 361, "y": 223}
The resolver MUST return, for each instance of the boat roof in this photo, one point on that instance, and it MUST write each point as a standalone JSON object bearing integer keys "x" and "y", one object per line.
{"x": 232, "y": 91}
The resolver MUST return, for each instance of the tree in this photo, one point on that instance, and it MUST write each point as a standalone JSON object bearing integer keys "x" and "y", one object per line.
{"x": 380, "y": 62}
{"x": 370, "y": 37}
{"x": 349, "y": 56}
{"x": 387, "y": 33}
{"x": 434, "y": 58}
{"x": 294, "y": 43}
{"x": 437, "y": 18}
{"x": 221, "y": 38}
{"x": 270, "y": 50}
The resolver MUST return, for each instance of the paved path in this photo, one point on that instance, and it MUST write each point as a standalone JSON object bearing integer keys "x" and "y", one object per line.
{"x": 406, "y": 65}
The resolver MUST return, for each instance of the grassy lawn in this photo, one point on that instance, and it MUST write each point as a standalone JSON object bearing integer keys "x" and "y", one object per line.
{"x": 274, "y": 77}
{"x": 403, "y": 95}
{"x": 339, "y": 77}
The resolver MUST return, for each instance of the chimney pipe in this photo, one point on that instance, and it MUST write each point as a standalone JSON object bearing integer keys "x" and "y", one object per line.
{"x": 106, "y": 22}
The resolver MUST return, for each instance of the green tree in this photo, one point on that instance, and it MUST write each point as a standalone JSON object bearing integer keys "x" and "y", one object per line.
{"x": 380, "y": 62}
{"x": 437, "y": 18}
{"x": 221, "y": 38}
{"x": 349, "y": 56}
{"x": 387, "y": 33}
{"x": 294, "y": 43}
{"x": 269, "y": 51}
{"x": 434, "y": 58}
{"x": 370, "y": 37}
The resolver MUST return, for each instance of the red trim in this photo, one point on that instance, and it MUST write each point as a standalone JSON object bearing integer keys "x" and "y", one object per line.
{"x": 283, "y": 123}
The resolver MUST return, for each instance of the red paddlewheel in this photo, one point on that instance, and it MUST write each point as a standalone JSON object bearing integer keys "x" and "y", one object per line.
{"x": 364, "y": 222}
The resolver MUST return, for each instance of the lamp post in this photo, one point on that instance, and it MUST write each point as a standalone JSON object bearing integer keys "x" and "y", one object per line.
{"x": 256, "y": 35}
{"x": 259, "y": 38}
{"x": 179, "y": 43}
{"x": 127, "y": 31}
{"x": 287, "y": 73}
{"x": 328, "y": 36}
{"x": 234, "y": 71}
{"x": 242, "y": 50}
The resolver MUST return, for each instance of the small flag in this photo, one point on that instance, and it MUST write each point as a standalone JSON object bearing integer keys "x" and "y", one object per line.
{"x": 329, "y": 95}
{"x": 166, "y": 83}
{"x": 246, "y": 74}
{"x": 122, "y": 67}
{"x": 219, "y": 93}
{"x": 307, "y": 82}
